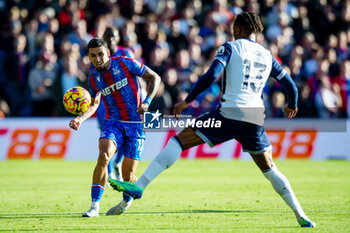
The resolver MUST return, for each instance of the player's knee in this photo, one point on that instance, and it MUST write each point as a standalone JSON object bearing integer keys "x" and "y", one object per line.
{"x": 103, "y": 159}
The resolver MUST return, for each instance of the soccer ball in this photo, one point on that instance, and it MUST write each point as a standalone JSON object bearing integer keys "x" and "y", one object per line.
{"x": 76, "y": 100}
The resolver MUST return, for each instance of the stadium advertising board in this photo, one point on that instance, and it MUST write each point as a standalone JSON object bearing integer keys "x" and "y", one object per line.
{"x": 46, "y": 138}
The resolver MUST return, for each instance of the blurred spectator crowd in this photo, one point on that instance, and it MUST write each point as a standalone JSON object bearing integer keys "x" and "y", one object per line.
{"x": 43, "y": 49}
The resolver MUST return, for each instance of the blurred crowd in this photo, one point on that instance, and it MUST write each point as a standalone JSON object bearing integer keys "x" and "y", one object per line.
{"x": 43, "y": 49}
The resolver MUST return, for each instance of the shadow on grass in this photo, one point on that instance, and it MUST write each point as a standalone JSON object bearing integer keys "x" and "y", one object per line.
{"x": 78, "y": 215}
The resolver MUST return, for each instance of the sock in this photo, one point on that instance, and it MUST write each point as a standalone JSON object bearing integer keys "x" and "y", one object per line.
{"x": 282, "y": 187}
{"x": 127, "y": 197}
{"x": 165, "y": 159}
{"x": 97, "y": 192}
{"x": 110, "y": 166}
{"x": 95, "y": 205}
{"x": 119, "y": 157}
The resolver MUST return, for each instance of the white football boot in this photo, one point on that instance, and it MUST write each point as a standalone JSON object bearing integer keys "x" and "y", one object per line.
{"x": 120, "y": 208}
{"x": 93, "y": 212}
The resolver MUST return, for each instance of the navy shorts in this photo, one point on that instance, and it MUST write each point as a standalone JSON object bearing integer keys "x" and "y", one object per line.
{"x": 128, "y": 137}
{"x": 252, "y": 137}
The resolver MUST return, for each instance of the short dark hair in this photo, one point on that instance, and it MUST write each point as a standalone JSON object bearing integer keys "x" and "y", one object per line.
{"x": 109, "y": 32}
{"x": 97, "y": 42}
{"x": 250, "y": 21}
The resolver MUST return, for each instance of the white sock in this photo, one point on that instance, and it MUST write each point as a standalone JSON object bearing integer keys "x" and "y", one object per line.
{"x": 282, "y": 187}
{"x": 165, "y": 159}
{"x": 95, "y": 205}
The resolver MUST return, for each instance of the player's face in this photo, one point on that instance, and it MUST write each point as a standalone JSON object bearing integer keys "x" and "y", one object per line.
{"x": 99, "y": 57}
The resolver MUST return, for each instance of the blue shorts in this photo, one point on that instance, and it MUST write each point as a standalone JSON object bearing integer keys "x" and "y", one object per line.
{"x": 252, "y": 137}
{"x": 128, "y": 137}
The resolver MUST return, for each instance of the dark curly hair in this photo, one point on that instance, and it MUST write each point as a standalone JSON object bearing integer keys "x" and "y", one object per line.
{"x": 250, "y": 21}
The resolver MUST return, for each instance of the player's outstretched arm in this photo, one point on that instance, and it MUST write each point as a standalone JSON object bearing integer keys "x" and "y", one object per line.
{"x": 76, "y": 122}
{"x": 214, "y": 71}
{"x": 153, "y": 84}
{"x": 289, "y": 87}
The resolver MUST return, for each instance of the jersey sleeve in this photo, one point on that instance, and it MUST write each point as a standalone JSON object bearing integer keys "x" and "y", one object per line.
{"x": 134, "y": 66}
{"x": 92, "y": 86}
{"x": 277, "y": 71}
{"x": 286, "y": 82}
{"x": 223, "y": 54}
{"x": 129, "y": 53}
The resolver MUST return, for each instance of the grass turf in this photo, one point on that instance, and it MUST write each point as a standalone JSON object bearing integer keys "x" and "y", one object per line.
{"x": 192, "y": 196}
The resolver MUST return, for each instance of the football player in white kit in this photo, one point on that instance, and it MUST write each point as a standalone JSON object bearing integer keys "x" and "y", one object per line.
{"x": 246, "y": 66}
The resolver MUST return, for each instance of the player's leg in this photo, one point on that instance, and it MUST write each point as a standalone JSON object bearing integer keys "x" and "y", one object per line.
{"x": 281, "y": 185}
{"x": 129, "y": 167}
{"x": 132, "y": 149}
{"x": 107, "y": 149}
{"x": 110, "y": 168}
{"x": 186, "y": 139}
{"x": 167, "y": 157}
{"x": 117, "y": 163}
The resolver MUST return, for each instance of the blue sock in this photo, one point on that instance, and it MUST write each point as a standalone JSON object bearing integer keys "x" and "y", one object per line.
{"x": 97, "y": 192}
{"x": 119, "y": 157}
{"x": 126, "y": 197}
{"x": 110, "y": 166}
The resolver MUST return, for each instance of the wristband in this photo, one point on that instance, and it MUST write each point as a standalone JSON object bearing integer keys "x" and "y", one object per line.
{"x": 148, "y": 100}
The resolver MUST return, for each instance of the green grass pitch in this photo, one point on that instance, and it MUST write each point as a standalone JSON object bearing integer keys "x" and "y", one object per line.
{"x": 192, "y": 196}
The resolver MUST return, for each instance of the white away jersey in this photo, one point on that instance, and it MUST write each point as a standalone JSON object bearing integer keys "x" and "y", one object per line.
{"x": 248, "y": 65}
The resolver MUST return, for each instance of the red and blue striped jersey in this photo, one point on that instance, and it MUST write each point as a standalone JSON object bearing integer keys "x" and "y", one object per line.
{"x": 123, "y": 51}
{"x": 119, "y": 88}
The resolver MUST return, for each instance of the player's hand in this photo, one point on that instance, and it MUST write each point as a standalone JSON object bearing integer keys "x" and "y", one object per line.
{"x": 179, "y": 107}
{"x": 289, "y": 112}
{"x": 142, "y": 108}
{"x": 75, "y": 123}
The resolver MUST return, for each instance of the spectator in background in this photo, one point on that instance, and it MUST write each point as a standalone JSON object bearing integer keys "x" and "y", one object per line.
{"x": 162, "y": 100}
{"x": 31, "y": 30}
{"x": 342, "y": 47}
{"x": 311, "y": 65}
{"x": 4, "y": 109}
{"x": 278, "y": 100}
{"x": 149, "y": 37}
{"x": 182, "y": 61}
{"x": 301, "y": 24}
{"x": 161, "y": 43}
{"x": 306, "y": 106}
{"x": 342, "y": 81}
{"x": 196, "y": 58}
{"x": 313, "y": 81}
{"x": 327, "y": 101}
{"x": 41, "y": 78}
{"x": 80, "y": 36}
{"x": 296, "y": 71}
{"x": 331, "y": 56}
{"x": 177, "y": 40}
{"x": 170, "y": 83}
{"x": 69, "y": 15}
{"x": 100, "y": 25}
{"x": 16, "y": 70}
{"x": 69, "y": 77}
{"x": 157, "y": 61}
{"x": 130, "y": 41}
{"x": 183, "y": 25}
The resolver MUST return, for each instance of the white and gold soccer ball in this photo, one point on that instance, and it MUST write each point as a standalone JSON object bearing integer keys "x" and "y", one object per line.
{"x": 76, "y": 100}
